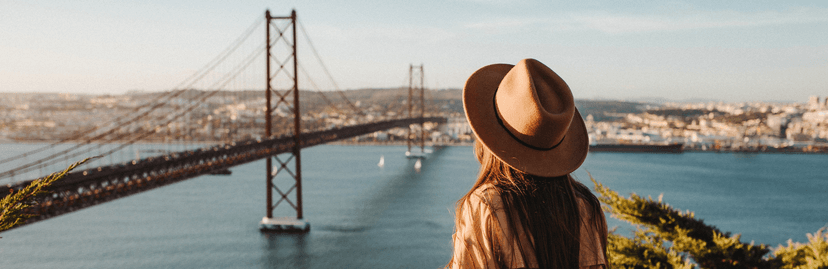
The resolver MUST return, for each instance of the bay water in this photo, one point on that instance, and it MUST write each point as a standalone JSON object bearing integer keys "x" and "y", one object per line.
{"x": 366, "y": 216}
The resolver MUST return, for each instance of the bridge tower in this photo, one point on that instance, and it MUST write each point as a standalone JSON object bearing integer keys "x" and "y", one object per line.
{"x": 285, "y": 72}
{"x": 416, "y": 101}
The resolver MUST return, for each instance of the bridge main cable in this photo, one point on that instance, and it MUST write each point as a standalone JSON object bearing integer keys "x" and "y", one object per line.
{"x": 225, "y": 80}
{"x": 328, "y": 73}
{"x": 120, "y": 121}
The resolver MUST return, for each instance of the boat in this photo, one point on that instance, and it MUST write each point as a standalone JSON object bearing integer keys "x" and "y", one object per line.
{"x": 418, "y": 165}
{"x": 382, "y": 161}
{"x": 417, "y": 153}
{"x": 651, "y": 148}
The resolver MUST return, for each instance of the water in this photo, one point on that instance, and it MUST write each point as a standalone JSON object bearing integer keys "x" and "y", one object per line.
{"x": 364, "y": 216}
{"x": 768, "y": 198}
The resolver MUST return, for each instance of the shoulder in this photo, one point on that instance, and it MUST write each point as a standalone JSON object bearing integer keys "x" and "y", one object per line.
{"x": 480, "y": 206}
{"x": 487, "y": 195}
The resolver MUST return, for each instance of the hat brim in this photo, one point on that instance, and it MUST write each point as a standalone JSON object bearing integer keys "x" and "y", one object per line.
{"x": 478, "y": 98}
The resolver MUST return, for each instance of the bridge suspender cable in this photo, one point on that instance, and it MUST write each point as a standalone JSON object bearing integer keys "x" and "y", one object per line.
{"x": 143, "y": 113}
{"x": 228, "y": 78}
{"x": 328, "y": 73}
{"x": 193, "y": 79}
{"x": 153, "y": 104}
{"x": 321, "y": 94}
{"x": 85, "y": 189}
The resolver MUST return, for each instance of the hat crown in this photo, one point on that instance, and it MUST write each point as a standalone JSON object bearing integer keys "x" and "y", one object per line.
{"x": 534, "y": 104}
{"x": 525, "y": 115}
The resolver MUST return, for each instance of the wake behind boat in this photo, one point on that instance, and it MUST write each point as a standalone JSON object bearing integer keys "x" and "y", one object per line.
{"x": 417, "y": 153}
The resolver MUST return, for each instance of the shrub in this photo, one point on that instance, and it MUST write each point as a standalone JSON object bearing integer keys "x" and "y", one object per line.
{"x": 669, "y": 238}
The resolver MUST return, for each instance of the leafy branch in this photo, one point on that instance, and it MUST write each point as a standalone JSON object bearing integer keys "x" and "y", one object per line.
{"x": 805, "y": 256}
{"x": 689, "y": 240}
{"x": 13, "y": 206}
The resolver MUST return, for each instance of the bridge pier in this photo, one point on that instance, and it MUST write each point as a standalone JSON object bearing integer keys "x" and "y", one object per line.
{"x": 286, "y": 223}
{"x": 416, "y": 103}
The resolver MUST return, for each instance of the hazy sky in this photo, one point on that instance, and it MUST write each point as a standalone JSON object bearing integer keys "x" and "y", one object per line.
{"x": 726, "y": 50}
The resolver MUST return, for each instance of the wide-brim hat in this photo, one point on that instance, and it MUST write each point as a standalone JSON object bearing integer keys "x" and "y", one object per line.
{"x": 525, "y": 115}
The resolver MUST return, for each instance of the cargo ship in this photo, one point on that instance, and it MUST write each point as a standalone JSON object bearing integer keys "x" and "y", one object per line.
{"x": 650, "y": 148}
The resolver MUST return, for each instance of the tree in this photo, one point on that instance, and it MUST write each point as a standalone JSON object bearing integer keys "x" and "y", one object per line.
{"x": 669, "y": 238}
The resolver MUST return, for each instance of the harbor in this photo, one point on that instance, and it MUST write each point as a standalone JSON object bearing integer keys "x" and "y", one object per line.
{"x": 359, "y": 212}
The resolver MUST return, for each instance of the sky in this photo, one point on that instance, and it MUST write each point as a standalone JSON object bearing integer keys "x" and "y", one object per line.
{"x": 734, "y": 51}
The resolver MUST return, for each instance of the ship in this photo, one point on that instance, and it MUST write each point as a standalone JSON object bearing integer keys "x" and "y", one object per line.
{"x": 648, "y": 148}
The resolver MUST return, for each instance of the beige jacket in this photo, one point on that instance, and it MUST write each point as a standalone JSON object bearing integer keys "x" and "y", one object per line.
{"x": 468, "y": 253}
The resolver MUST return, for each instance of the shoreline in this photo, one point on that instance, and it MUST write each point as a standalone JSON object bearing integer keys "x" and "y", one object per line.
{"x": 797, "y": 151}
{"x": 340, "y": 142}
{"x": 398, "y": 143}
{"x": 756, "y": 152}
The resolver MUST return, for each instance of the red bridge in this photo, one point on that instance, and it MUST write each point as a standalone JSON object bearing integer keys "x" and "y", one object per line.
{"x": 286, "y": 134}
{"x": 81, "y": 189}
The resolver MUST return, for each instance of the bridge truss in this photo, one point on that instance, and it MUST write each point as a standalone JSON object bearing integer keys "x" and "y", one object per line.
{"x": 85, "y": 188}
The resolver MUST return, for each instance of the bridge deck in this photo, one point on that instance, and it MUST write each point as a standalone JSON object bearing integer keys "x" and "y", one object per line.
{"x": 81, "y": 189}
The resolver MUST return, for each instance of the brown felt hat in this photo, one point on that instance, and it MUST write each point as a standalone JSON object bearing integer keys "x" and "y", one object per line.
{"x": 525, "y": 115}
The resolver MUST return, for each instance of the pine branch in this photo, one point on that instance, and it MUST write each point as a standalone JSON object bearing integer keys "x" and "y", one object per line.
{"x": 13, "y": 206}
{"x": 707, "y": 245}
{"x": 643, "y": 251}
{"x": 805, "y": 256}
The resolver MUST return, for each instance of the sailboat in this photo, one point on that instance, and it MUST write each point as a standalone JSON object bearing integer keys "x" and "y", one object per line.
{"x": 418, "y": 165}
{"x": 382, "y": 161}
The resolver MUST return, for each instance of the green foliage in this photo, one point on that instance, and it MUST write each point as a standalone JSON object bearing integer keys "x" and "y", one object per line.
{"x": 13, "y": 206}
{"x": 801, "y": 256}
{"x": 643, "y": 251}
{"x": 690, "y": 240}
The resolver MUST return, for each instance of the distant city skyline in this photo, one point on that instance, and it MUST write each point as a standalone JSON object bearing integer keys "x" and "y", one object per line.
{"x": 677, "y": 50}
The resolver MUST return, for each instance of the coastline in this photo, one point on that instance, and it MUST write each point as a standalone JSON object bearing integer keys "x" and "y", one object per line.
{"x": 398, "y": 143}
{"x": 340, "y": 142}
{"x": 349, "y": 142}
{"x": 680, "y": 148}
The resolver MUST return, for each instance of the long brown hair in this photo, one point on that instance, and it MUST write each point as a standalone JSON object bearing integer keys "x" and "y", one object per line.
{"x": 542, "y": 209}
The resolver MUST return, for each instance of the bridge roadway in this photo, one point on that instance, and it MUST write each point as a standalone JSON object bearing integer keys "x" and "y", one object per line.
{"x": 81, "y": 189}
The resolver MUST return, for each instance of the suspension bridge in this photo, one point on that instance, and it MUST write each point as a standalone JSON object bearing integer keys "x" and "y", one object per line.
{"x": 201, "y": 107}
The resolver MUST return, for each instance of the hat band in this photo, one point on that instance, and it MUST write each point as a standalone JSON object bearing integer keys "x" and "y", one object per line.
{"x": 500, "y": 121}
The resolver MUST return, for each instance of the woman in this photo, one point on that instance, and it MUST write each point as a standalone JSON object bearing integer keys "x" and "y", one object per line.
{"x": 525, "y": 210}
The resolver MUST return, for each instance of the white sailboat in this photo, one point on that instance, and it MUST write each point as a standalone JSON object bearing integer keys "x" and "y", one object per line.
{"x": 418, "y": 165}
{"x": 382, "y": 161}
